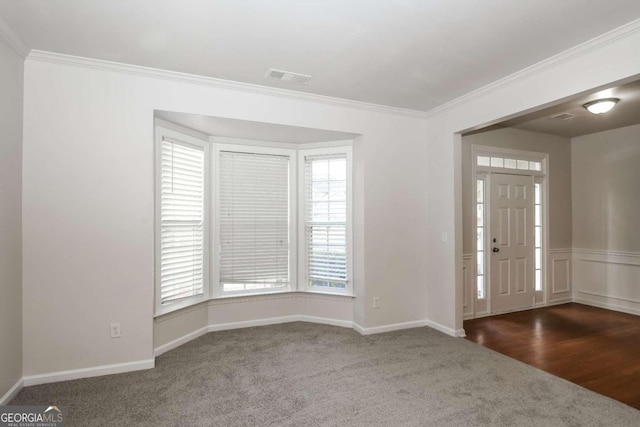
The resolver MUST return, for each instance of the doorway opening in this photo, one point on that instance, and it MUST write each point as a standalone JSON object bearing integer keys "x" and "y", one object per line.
{"x": 509, "y": 216}
{"x": 586, "y": 249}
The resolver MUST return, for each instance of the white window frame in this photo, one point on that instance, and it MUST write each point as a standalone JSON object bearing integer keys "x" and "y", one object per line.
{"x": 160, "y": 134}
{"x": 544, "y": 201}
{"x": 303, "y": 277}
{"x": 484, "y": 177}
{"x": 217, "y": 289}
{"x": 485, "y": 172}
{"x": 212, "y": 145}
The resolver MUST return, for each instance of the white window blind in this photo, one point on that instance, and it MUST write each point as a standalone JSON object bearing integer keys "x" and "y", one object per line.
{"x": 326, "y": 220}
{"x": 254, "y": 221}
{"x": 181, "y": 221}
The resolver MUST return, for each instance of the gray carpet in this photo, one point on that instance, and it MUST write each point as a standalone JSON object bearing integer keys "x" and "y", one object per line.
{"x": 303, "y": 374}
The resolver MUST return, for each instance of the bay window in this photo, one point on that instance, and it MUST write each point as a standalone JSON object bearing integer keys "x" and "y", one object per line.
{"x": 238, "y": 219}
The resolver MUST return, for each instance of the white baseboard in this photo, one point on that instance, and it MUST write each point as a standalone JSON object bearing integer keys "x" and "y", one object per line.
{"x": 482, "y": 314}
{"x": 359, "y": 329}
{"x": 13, "y": 392}
{"x": 607, "y": 305}
{"x": 408, "y": 325}
{"x": 279, "y": 320}
{"x": 294, "y": 318}
{"x": 445, "y": 329}
{"x": 248, "y": 324}
{"x": 180, "y": 341}
{"x": 95, "y": 371}
{"x": 252, "y": 323}
{"x": 150, "y": 363}
{"x": 326, "y": 321}
{"x": 561, "y": 301}
{"x": 388, "y": 328}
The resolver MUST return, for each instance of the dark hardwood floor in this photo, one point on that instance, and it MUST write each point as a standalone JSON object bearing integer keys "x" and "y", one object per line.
{"x": 592, "y": 347}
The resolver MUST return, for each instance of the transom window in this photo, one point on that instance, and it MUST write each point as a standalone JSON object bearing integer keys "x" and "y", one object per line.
{"x": 509, "y": 163}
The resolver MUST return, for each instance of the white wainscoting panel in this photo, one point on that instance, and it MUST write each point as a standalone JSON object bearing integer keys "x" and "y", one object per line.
{"x": 559, "y": 275}
{"x": 607, "y": 279}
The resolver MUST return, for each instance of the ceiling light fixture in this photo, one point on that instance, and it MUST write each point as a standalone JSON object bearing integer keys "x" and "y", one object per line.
{"x": 601, "y": 106}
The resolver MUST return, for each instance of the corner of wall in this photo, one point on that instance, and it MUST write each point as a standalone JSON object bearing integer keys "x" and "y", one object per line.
{"x": 11, "y": 301}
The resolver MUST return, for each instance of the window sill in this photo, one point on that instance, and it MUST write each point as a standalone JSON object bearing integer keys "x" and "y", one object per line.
{"x": 334, "y": 294}
{"x": 245, "y": 298}
{"x": 186, "y": 303}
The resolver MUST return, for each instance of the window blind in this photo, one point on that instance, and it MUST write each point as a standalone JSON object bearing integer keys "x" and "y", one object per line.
{"x": 326, "y": 220}
{"x": 254, "y": 221}
{"x": 181, "y": 221}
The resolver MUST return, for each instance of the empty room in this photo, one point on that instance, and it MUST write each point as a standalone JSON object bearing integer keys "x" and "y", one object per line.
{"x": 340, "y": 213}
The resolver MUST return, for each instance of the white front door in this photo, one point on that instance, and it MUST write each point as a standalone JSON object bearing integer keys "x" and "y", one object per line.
{"x": 511, "y": 242}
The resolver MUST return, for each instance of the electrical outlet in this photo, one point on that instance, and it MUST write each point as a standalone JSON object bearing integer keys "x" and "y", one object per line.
{"x": 376, "y": 302}
{"x": 115, "y": 330}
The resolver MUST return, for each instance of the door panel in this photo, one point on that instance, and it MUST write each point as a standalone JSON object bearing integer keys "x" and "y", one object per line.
{"x": 503, "y": 227}
{"x": 505, "y": 276}
{"x": 521, "y": 275}
{"x": 512, "y": 267}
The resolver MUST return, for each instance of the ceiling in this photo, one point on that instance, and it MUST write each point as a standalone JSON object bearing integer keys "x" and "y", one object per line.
{"x": 243, "y": 129}
{"x": 414, "y": 54}
{"x": 625, "y": 113}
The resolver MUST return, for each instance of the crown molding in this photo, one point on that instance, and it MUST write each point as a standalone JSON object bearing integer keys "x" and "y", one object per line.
{"x": 43, "y": 56}
{"x": 607, "y": 38}
{"x": 612, "y": 36}
{"x": 13, "y": 40}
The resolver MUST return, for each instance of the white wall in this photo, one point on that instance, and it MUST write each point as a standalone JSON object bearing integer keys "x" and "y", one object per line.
{"x": 88, "y": 205}
{"x": 11, "y": 84}
{"x": 88, "y": 193}
{"x": 606, "y": 210}
{"x": 609, "y": 59}
{"x": 606, "y": 189}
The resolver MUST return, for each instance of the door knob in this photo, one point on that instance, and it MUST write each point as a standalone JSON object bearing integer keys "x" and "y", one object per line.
{"x": 496, "y": 249}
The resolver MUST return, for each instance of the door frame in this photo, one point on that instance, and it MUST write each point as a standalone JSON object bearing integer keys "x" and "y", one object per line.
{"x": 485, "y": 172}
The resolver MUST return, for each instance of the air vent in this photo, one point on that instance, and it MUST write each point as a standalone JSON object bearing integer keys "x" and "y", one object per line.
{"x": 287, "y": 76}
{"x": 564, "y": 116}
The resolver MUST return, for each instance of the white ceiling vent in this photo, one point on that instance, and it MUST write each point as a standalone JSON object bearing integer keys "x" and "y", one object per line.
{"x": 564, "y": 116}
{"x": 287, "y": 76}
